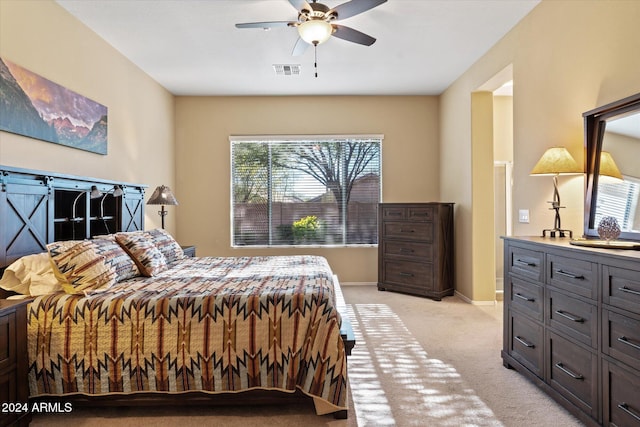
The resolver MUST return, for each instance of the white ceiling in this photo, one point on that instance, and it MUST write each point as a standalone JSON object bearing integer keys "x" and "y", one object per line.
{"x": 192, "y": 47}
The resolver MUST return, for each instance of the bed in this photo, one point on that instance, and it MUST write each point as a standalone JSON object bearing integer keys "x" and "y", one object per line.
{"x": 130, "y": 319}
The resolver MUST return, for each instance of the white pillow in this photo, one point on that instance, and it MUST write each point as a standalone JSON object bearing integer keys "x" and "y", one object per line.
{"x": 31, "y": 275}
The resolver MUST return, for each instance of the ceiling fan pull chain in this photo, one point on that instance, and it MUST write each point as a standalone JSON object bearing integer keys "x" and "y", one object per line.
{"x": 315, "y": 58}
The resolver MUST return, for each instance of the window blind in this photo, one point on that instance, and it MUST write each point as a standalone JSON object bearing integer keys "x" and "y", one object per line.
{"x": 320, "y": 191}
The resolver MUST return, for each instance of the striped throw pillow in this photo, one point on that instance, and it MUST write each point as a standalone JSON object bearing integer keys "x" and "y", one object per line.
{"x": 144, "y": 252}
{"x": 166, "y": 244}
{"x": 82, "y": 266}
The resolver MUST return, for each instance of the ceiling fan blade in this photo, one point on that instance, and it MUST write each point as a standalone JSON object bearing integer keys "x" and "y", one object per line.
{"x": 270, "y": 24}
{"x": 300, "y": 47}
{"x": 353, "y": 7}
{"x": 355, "y": 36}
{"x": 300, "y": 5}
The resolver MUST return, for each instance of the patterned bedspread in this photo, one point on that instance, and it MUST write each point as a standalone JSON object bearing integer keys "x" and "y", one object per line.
{"x": 206, "y": 324}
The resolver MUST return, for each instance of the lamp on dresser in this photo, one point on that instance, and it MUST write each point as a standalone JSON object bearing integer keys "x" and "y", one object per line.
{"x": 162, "y": 196}
{"x": 556, "y": 161}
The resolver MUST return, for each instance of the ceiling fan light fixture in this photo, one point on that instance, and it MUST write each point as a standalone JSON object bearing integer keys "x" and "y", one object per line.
{"x": 315, "y": 31}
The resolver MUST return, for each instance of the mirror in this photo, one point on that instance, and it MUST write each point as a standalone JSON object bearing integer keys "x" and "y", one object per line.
{"x": 613, "y": 189}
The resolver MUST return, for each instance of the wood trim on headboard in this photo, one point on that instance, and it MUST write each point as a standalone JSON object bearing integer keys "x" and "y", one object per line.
{"x": 86, "y": 179}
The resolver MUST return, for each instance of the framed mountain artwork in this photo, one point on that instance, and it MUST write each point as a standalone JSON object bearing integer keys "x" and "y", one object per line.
{"x": 33, "y": 106}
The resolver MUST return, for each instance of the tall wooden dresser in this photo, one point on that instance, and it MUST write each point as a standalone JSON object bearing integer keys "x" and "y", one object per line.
{"x": 415, "y": 248}
{"x": 572, "y": 326}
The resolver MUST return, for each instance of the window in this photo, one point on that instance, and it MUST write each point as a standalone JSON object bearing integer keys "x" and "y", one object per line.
{"x": 319, "y": 191}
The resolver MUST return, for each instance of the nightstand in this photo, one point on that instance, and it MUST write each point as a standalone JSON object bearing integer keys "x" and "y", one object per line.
{"x": 14, "y": 388}
{"x": 189, "y": 251}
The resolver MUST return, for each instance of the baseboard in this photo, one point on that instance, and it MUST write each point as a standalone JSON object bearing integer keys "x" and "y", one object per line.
{"x": 359, "y": 284}
{"x": 470, "y": 301}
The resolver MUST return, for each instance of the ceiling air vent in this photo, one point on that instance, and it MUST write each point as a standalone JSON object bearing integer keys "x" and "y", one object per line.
{"x": 287, "y": 69}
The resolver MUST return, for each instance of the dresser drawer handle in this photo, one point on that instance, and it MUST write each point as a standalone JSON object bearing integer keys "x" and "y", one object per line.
{"x": 529, "y": 299}
{"x": 629, "y": 291}
{"x": 404, "y": 230}
{"x": 626, "y": 341}
{"x": 403, "y": 274}
{"x": 570, "y": 275}
{"x": 560, "y": 366}
{"x": 523, "y": 342}
{"x": 569, "y": 316}
{"x": 406, "y": 251}
{"x": 526, "y": 263}
{"x": 626, "y": 409}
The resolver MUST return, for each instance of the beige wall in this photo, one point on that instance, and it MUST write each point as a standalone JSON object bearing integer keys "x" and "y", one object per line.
{"x": 568, "y": 57}
{"x": 204, "y": 124}
{"x": 42, "y": 37}
{"x": 482, "y": 195}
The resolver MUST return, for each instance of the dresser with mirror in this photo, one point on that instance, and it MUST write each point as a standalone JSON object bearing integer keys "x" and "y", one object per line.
{"x": 572, "y": 306}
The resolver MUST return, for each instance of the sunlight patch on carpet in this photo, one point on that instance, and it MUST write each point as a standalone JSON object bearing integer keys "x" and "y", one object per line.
{"x": 393, "y": 380}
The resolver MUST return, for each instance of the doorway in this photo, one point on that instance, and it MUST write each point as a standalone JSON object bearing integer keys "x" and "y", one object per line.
{"x": 503, "y": 169}
{"x": 494, "y": 131}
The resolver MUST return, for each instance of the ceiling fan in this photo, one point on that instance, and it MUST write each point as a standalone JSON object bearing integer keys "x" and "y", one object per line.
{"x": 315, "y": 23}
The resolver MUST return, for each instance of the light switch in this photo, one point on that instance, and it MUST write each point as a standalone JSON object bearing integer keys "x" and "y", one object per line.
{"x": 523, "y": 215}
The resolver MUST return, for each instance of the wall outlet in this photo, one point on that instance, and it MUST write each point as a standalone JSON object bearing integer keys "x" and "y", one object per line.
{"x": 523, "y": 216}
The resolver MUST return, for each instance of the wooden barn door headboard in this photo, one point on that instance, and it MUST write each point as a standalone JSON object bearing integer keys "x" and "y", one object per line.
{"x": 39, "y": 207}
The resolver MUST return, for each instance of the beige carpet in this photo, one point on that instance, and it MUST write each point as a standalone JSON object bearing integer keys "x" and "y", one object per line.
{"x": 418, "y": 362}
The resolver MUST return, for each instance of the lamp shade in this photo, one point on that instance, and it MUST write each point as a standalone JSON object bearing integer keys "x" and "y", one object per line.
{"x": 95, "y": 193}
{"x": 118, "y": 191}
{"x": 162, "y": 196}
{"x": 556, "y": 161}
{"x": 608, "y": 166}
{"x": 315, "y": 31}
